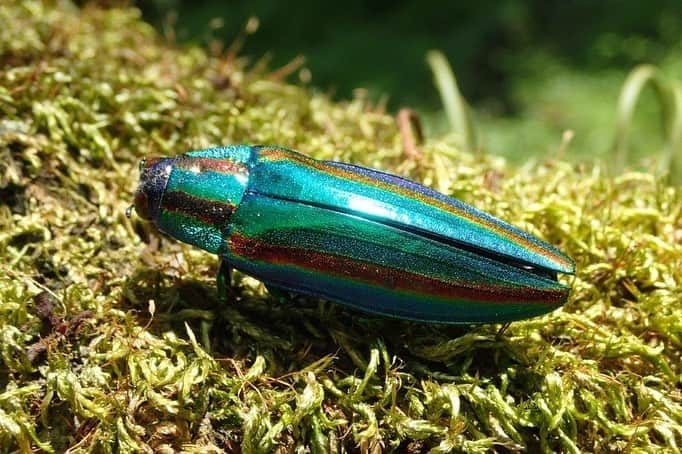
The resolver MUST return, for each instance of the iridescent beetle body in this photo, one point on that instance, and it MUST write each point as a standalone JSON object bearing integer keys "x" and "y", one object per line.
{"x": 360, "y": 237}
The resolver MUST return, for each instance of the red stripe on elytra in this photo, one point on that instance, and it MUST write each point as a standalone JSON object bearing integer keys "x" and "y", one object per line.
{"x": 392, "y": 278}
{"x": 215, "y": 165}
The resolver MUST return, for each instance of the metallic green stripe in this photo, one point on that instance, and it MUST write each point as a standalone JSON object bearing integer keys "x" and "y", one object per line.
{"x": 208, "y": 185}
{"x": 191, "y": 230}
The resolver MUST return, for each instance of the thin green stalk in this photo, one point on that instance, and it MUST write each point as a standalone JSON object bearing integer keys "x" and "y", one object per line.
{"x": 456, "y": 108}
{"x": 669, "y": 95}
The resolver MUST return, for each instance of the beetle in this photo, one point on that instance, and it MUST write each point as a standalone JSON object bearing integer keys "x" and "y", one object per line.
{"x": 364, "y": 238}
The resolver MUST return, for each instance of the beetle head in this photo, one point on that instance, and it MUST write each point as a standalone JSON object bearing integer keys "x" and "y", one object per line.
{"x": 154, "y": 174}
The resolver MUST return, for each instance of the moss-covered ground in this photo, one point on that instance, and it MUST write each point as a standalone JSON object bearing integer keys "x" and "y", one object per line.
{"x": 112, "y": 338}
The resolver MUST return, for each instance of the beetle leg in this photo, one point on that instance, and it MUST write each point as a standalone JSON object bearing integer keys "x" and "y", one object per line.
{"x": 224, "y": 281}
{"x": 280, "y": 294}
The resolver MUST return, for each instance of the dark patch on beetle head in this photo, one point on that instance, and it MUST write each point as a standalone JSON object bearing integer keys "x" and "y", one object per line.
{"x": 154, "y": 174}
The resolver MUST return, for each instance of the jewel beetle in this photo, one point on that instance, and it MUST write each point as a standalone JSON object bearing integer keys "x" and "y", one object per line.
{"x": 353, "y": 235}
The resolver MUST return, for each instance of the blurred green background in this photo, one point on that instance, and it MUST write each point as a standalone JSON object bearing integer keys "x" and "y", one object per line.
{"x": 531, "y": 69}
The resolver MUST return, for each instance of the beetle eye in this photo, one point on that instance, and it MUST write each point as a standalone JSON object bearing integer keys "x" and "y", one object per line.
{"x": 142, "y": 205}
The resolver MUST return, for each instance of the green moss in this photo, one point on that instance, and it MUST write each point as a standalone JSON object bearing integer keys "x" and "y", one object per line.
{"x": 112, "y": 338}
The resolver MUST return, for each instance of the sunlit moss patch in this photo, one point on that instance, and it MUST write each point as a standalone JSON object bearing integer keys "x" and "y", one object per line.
{"x": 112, "y": 338}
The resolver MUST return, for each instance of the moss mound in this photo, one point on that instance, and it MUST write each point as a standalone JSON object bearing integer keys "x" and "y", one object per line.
{"x": 112, "y": 338}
